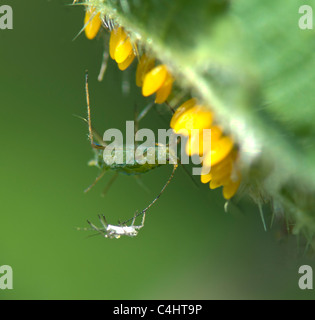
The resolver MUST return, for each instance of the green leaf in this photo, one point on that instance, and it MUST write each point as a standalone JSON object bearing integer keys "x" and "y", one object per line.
{"x": 254, "y": 67}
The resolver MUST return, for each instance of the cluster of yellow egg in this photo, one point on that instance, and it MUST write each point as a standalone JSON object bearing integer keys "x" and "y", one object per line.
{"x": 189, "y": 119}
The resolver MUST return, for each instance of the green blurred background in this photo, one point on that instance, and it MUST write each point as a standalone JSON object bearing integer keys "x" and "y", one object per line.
{"x": 189, "y": 249}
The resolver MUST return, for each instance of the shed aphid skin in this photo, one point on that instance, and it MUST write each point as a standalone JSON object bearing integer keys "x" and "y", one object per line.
{"x": 133, "y": 168}
{"x": 115, "y": 231}
{"x": 220, "y": 152}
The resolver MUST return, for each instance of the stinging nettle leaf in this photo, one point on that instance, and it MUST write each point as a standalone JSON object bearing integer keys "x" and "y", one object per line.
{"x": 250, "y": 62}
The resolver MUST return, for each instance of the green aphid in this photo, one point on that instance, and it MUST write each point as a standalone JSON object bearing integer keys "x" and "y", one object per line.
{"x": 126, "y": 151}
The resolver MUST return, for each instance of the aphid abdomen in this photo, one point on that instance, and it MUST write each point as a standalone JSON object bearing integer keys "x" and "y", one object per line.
{"x": 134, "y": 168}
{"x": 132, "y": 160}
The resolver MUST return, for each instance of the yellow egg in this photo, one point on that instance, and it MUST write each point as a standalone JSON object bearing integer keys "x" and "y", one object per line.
{"x": 219, "y": 151}
{"x": 163, "y": 93}
{"x": 145, "y": 65}
{"x": 92, "y": 24}
{"x": 197, "y": 117}
{"x": 154, "y": 80}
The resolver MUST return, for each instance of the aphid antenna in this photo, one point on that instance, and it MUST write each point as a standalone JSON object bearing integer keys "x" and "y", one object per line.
{"x": 189, "y": 175}
{"x": 97, "y": 136}
{"x": 178, "y": 160}
{"x": 156, "y": 198}
{"x": 93, "y": 144}
{"x": 262, "y": 216}
{"x": 185, "y": 169}
{"x": 90, "y": 229}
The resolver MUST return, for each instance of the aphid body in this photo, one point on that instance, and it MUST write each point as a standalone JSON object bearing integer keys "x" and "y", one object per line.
{"x": 132, "y": 164}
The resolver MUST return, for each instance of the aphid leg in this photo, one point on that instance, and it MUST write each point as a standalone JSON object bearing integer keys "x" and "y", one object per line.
{"x": 98, "y": 178}
{"x": 125, "y": 83}
{"x": 144, "y": 112}
{"x": 136, "y": 121}
{"x": 141, "y": 184}
{"x": 272, "y": 219}
{"x": 134, "y": 219}
{"x": 262, "y": 216}
{"x": 139, "y": 116}
{"x": 103, "y": 221}
{"x": 142, "y": 222}
{"x": 93, "y": 144}
{"x": 103, "y": 65}
{"x": 98, "y": 230}
{"x": 160, "y": 114}
{"x": 170, "y": 107}
{"x": 109, "y": 184}
{"x": 94, "y": 227}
